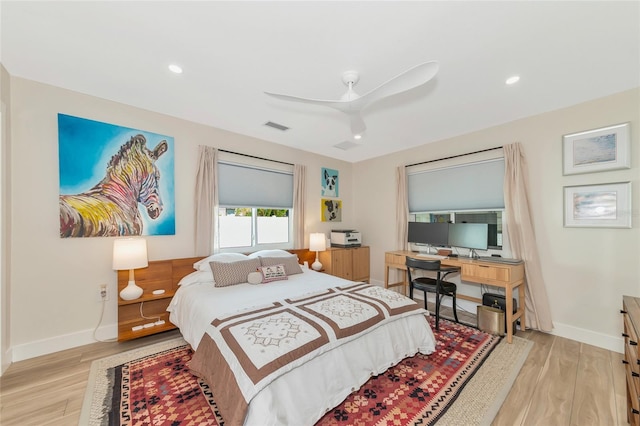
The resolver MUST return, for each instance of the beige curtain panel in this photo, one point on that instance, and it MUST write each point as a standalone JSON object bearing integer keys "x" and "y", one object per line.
{"x": 522, "y": 237}
{"x": 299, "y": 191}
{"x": 402, "y": 209}
{"x": 206, "y": 200}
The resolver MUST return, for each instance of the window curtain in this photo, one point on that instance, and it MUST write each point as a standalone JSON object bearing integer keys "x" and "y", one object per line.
{"x": 206, "y": 200}
{"x": 402, "y": 209}
{"x": 522, "y": 238}
{"x": 299, "y": 190}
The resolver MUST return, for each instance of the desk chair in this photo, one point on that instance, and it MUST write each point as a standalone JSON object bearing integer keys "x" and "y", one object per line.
{"x": 436, "y": 285}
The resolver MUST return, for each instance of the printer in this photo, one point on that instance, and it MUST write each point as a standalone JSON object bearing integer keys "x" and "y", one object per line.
{"x": 345, "y": 238}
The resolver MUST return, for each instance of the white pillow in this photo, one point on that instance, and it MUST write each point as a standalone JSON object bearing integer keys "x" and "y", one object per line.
{"x": 197, "y": 277}
{"x": 254, "y": 278}
{"x": 203, "y": 265}
{"x": 271, "y": 253}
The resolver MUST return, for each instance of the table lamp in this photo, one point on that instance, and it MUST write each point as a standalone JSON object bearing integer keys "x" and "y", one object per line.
{"x": 317, "y": 242}
{"x": 130, "y": 253}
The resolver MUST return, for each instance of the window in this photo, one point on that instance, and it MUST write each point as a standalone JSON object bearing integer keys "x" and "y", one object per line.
{"x": 255, "y": 204}
{"x": 493, "y": 218}
{"x": 245, "y": 227}
{"x": 465, "y": 189}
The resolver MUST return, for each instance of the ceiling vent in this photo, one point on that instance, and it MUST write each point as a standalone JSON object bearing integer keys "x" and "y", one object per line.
{"x": 346, "y": 145}
{"x": 276, "y": 126}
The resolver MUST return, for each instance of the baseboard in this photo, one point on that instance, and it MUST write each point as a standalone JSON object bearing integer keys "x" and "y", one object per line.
{"x": 582, "y": 335}
{"x": 61, "y": 343}
{"x": 601, "y": 340}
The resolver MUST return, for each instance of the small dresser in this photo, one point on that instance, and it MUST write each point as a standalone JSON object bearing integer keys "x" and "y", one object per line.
{"x": 631, "y": 314}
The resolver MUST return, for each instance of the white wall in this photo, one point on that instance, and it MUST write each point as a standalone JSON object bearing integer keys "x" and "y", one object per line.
{"x": 54, "y": 281}
{"x": 586, "y": 270}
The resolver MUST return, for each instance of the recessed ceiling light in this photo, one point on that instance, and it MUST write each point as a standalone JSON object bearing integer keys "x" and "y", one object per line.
{"x": 175, "y": 68}
{"x": 357, "y": 137}
{"x": 513, "y": 80}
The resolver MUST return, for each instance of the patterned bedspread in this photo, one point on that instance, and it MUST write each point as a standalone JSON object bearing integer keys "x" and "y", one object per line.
{"x": 241, "y": 354}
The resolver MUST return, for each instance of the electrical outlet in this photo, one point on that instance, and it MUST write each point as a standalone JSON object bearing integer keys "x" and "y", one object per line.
{"x": 103, "y": 294}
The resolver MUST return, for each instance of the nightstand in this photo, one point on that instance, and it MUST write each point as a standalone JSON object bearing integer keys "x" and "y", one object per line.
{"x": 351, "y": 263}
{"x": 159, "y": 275}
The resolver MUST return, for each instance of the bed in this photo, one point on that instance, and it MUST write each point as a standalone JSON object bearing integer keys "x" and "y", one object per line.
{"x": 286, "y": 351}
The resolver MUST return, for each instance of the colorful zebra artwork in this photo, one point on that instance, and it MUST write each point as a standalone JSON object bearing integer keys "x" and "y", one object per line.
{"x": 112, "y": 207}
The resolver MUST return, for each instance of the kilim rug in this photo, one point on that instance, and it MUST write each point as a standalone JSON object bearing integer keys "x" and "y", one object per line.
{"x": 157, "y": 388}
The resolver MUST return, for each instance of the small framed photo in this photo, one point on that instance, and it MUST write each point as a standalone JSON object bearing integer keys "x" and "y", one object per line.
{"x": 598, "y": 206}
{"x": 596, "y": 150}
{"x": 329, "y": 182}
{"x": 330, "y": 210}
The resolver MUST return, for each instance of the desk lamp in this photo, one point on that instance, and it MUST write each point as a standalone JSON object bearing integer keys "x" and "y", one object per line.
{"x": 317, "y": 242}
{"x": 130, "y": 253}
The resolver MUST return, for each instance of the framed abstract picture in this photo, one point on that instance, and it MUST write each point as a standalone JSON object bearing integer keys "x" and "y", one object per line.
{"x": 597, "y": 150}
{"x": 598, "y": 206}
{"x": 114, "y": 180}
{"x": 330, "y": 210}
{"x": 329, "y": 182}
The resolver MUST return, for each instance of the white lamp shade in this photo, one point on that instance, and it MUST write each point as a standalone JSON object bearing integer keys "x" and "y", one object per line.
{"x": 130, "y": 253}
{"x": 317, "y": 242}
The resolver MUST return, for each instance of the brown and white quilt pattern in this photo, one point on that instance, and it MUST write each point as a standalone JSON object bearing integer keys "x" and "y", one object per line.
{"x": 242, "y": 353}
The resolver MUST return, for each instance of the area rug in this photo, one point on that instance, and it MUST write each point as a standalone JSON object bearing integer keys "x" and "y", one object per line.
{"x": 464, "y": 381}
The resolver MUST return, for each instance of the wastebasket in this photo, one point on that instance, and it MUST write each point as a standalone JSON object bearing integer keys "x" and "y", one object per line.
{"x": 491, "y": 320}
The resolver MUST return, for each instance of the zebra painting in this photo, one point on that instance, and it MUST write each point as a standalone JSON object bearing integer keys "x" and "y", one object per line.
{"x": 110, "y": 208}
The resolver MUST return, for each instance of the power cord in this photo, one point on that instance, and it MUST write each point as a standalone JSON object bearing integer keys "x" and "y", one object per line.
{"x": 150, "y": 318}
{"x": 95, "y": 330}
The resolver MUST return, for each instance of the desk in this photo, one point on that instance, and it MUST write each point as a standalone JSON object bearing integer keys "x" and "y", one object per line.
{"x": 506, "y": 276}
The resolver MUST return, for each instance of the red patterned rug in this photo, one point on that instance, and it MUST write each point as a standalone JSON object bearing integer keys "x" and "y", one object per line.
{"x": 159, "y": 390}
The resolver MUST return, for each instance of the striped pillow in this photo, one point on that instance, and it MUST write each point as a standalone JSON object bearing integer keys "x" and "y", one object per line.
{"x": 231, "y": 273}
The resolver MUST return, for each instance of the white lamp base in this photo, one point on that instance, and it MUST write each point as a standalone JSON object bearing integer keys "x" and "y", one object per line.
{"x": 317, "y": 266}
{"x": 131, "y": 291}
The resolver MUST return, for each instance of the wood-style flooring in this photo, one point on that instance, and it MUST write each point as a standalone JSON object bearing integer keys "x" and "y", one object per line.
{"x": 563, "y": 382}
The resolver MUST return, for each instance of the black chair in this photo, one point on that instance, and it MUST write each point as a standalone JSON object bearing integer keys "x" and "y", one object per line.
{"x": 436, "y": 285}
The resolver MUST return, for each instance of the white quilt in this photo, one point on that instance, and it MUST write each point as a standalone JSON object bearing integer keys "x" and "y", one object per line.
{"x": 302, "y": 395}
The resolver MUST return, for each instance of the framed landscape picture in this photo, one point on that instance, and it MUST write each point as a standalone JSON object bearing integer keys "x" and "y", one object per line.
{"x": 600, "y": 206}
{"x": 596, "y": 150}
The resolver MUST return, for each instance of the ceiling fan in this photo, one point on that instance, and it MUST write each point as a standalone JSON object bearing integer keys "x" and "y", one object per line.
{"x": 352, "y": 104}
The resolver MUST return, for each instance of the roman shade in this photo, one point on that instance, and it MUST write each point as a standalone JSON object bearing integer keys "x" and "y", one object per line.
{"x": 242, "y": 185}
{"x": 471, "y": 186}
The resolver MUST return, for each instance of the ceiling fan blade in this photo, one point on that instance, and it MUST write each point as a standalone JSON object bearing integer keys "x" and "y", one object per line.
{"x": 337, "y": 104}
{"x": 412, "y": 78}
{"x": 357, "y": 124}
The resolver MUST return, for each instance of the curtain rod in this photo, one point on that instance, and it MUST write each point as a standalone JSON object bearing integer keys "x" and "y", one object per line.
{"x": 257, "y": 158}
{"x": 454, "y": 156}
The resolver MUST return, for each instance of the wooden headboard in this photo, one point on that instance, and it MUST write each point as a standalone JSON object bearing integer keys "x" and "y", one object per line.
{"x": 166, "y": 274}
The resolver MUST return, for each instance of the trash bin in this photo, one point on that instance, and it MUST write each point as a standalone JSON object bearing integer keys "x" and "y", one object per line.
{"x": 491, "y": 320}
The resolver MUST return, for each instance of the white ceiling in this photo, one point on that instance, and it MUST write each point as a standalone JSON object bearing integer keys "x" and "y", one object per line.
{"x": 565, "y": 53}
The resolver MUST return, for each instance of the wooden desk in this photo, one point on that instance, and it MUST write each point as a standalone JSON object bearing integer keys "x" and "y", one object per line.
{"x": 506, "y": 276}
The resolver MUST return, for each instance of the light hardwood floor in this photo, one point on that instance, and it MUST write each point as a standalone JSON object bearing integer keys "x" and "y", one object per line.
{"x": 563, "y": 382}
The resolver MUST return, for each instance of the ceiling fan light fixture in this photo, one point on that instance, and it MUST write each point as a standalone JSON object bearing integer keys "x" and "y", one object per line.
{"x": 357, "y": 136}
